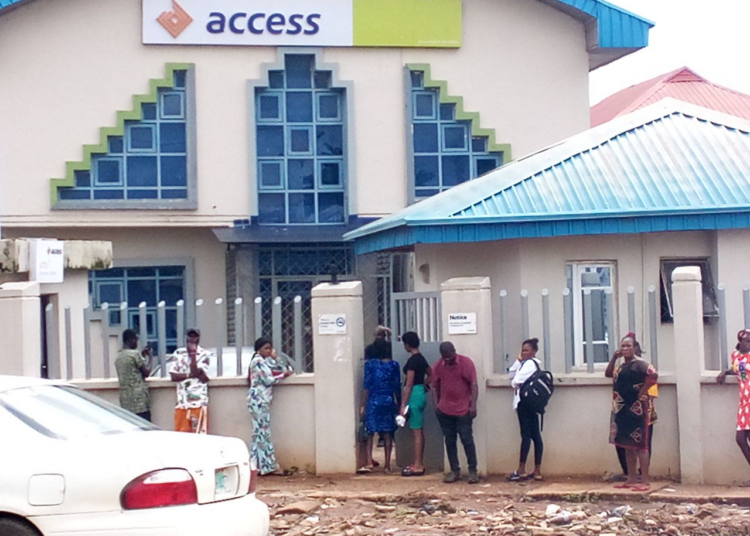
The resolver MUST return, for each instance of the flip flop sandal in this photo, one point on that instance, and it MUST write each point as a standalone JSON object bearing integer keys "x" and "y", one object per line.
{"x": 624, "y": 486}
{"x": 515, "y": 477}
{"x": 409, "y": 471}
{"x": 641, "y": 488}
{"x": 364, "y": 470}
{"x": 538, "y": 478}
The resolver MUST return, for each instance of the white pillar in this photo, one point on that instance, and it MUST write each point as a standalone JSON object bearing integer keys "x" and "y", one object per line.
{"x": 20, "y": 316}
{"x": 339, "y": 352}
{"x": 472, "y": 295}
{"x": 688, "y": 333}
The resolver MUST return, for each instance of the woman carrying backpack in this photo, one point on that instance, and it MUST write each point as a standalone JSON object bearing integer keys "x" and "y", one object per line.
{"x": 528, "y": 419}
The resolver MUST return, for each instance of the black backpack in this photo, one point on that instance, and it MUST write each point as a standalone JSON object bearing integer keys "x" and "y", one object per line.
{"x": 537, "y": 390}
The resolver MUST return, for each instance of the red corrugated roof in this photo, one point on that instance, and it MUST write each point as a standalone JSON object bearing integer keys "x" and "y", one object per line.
{"x": 682, "y": 84}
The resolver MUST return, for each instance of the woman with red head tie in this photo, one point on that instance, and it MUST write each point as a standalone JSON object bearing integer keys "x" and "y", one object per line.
{"x": 629, "y": 427}
{"x": 741, "y": 369}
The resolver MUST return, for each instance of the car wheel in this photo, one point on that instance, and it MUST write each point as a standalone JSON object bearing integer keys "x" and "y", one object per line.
{"x": 14, "y": 527}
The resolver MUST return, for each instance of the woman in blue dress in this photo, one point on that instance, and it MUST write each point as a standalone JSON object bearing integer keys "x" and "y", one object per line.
{"x": 381, "y": 398}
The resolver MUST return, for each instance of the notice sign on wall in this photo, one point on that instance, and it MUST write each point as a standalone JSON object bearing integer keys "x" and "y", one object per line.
{"x": 332, "y": 324}
{"x": 332, "y": 23}
{"x": 462, "y": 323}
{"x": 47, "y": 261}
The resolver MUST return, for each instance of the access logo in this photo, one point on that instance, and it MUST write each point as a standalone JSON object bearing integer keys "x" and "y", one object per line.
{"x": 176, "y": 21}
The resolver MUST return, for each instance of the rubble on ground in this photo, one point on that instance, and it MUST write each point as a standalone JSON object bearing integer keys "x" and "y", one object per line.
{"x": 479, "y": 514}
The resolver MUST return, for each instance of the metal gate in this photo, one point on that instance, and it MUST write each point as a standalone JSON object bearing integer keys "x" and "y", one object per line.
{"x": 418, "y": 312}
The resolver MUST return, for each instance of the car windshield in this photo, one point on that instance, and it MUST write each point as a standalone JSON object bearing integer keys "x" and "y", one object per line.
{"x": 64, "y": 412}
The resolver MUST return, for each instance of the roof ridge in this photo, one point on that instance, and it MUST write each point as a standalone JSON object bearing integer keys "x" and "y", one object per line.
{"x": 653, "y": 89}
{"x": 670, "y": 79}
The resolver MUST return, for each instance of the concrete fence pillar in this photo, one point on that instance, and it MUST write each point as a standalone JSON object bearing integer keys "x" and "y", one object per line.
{"x": 21, "y": 318}
{"x": 338, "y": 342}
{"x": 466, "y": 304}
{"x": 687, "y": 295}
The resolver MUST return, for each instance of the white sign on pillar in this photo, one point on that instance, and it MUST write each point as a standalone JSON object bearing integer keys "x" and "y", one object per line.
{"x": 332, "y": 324}
{"x": 462, "y": 323}
{"x": 47, "y": 261}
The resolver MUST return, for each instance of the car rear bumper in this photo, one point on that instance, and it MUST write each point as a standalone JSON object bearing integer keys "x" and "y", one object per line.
{"x": 246, "y": 516}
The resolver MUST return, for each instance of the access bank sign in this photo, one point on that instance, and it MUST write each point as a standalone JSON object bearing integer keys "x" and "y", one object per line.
{"x": 331, "y": 23}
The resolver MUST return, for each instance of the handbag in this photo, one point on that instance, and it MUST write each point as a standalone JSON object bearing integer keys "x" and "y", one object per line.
{"x": 362, "y": 432}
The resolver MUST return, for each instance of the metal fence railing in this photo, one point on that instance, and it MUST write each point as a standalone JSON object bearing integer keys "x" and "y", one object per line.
{"x": 100, "y": 339}
{"x": 594, "y": 316}
{"x": 416, "y": 311}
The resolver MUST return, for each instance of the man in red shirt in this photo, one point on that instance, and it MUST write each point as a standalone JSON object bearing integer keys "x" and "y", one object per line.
{"x": 455, "y": 393}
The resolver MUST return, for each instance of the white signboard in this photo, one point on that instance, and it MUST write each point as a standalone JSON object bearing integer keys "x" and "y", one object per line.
{"x": 332, "y": 324}
{"x": 331, "y": 23}
{"x": 462, "y": 323}
{"x": 243, "y": 22}
{"x": 47, "y": 261}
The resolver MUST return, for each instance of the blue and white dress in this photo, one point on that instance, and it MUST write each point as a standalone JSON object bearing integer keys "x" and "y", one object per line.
{"x": 259, "y": 398}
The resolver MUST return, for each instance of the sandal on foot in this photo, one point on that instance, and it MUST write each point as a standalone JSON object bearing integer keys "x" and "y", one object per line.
{"x": 624, "y": 486}
{"x": 364, "y": 470}
{"x": 516, "y": 477}
{"x": 410, "y": 471}
{"x": 641, "y": 487}
{"x": 538, "y": 478}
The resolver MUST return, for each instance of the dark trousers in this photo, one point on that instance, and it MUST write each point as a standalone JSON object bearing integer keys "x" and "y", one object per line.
{"x": 452, "y": 428}
{"x": 529, "y": 423}
{"x": 621, "y": 451}
{"x": 146, "y": 415}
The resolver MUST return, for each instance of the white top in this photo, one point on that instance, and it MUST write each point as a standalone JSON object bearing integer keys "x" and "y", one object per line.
{"x": 519, "y": 372}
{"x": 191, "y": 392}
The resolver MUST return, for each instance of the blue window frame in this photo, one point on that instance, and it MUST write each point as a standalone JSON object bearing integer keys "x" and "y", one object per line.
{"x": 150, "y": 284}
{"x": 445, "y": 152}
{"x": 150, "y": 162}
{"x": 301, "y": 146}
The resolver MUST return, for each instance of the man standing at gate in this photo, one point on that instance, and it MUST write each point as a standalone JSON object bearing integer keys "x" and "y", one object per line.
{"x": 455, "y": 394}
{"x": 189, "y": 367}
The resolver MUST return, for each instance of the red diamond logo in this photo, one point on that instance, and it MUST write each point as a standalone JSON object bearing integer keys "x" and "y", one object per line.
{"x": 175, "y": 21}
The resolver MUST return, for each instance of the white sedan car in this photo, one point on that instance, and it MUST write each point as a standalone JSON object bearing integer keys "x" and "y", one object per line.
{"x": 72, "y": 464}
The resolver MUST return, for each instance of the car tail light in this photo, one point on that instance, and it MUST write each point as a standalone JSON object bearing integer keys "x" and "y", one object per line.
{"x": 253, "y": 480}
{"x": 167, "y": 487}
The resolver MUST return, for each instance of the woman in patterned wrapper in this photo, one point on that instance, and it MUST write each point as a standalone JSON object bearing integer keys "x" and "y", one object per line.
{"x": 741, "y": 368}
{"x": 263, "y": 373}
{"x": 629, "y": 426}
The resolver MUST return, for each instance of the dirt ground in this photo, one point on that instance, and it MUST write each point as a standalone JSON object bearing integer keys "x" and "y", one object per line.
{"x": 303, "y": 505}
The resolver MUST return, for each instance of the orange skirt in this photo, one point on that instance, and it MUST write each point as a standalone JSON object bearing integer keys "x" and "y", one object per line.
{"x": 192, "y": 420}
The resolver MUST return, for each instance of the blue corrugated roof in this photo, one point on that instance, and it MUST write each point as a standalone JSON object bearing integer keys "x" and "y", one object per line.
{"x": 671, "y": 166}
{"x": 7, "y": 3}
{"x": 616, "y": 32}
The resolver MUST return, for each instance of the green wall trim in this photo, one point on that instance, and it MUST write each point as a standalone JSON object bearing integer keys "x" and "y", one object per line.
{"x": 461, "y": 113}
{"x": 119, "y": 130}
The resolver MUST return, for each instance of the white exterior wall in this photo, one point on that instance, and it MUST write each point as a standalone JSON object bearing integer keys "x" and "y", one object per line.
{"x": 68, "y": 66}
{"x": 733, "y": 253}
{"x": 292, "y": 413}
{"x": 535, "y": 264}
